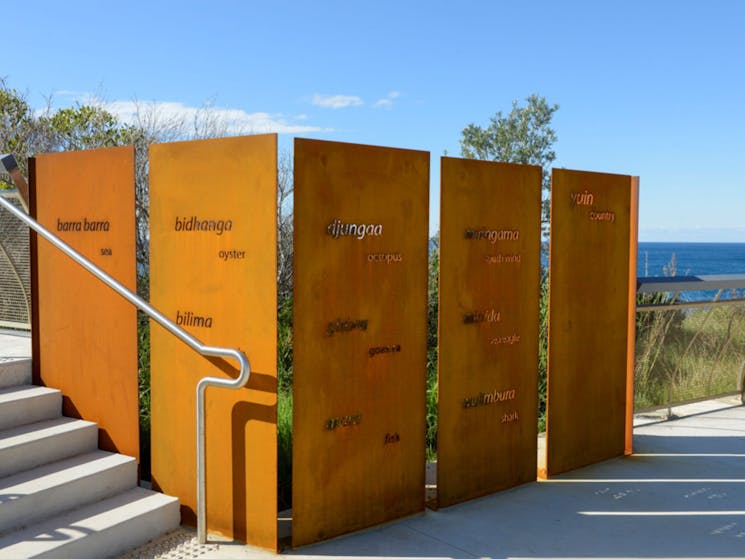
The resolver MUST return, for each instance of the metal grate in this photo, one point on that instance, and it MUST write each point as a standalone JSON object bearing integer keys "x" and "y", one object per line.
{"x": 15, "y": 269}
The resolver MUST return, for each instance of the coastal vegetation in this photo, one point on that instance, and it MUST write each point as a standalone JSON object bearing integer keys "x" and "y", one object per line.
{"x": 687, "y": 354}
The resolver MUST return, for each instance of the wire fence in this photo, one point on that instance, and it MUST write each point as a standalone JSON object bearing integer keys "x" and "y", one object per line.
{"x": 15, "y": 269}
{"x": 688, "y": 350}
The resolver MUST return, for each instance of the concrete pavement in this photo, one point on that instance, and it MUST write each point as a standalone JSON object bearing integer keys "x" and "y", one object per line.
{"x": 15, "y": 345}
{"x": 682, "y": 494}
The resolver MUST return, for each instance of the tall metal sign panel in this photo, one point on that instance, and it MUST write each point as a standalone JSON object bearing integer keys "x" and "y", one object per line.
{"x": 213, "y": 271}
{"x": 490, "y": 243}
{"x": 360, "y": 322}
{"x": 85, "y": 335}
{"x": 591, "y": 318}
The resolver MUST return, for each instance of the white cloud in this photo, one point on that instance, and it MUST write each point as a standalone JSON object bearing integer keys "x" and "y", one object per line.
{"x": 231, "y": 121}
{"x": 336, "y": 101}
{"x": 387, "y": 101}
{"x": 70, "y": 93}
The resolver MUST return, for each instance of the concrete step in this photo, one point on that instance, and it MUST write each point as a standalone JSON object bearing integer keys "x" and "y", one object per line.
{"x": 41, "y": 492}
{"x": 29, "y": 446}
{"x": 15, "y": 373}
{"x": 98, "y": 531}
{"x": 21, "y": 405}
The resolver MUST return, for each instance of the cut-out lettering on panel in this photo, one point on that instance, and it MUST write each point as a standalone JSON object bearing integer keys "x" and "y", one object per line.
{"x": 213, "y": 272}
{"x": 488, "y": 330}
{"x": 591, "y": 318}
{"x": 359, "y": 336}
{"x": 85, "y": 334}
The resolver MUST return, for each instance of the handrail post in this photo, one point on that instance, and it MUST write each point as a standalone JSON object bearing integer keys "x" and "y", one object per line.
{"x": 239, "y": 382}
{"x": 201, "y": 467}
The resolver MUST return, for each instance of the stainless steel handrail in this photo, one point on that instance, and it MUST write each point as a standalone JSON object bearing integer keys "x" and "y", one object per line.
{"x": 657, "y": 284}
{"x": 173, "y": 328}
{"x": 676, "y": 284}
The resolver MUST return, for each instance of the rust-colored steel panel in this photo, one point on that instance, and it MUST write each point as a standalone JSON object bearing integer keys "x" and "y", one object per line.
{"x": 360, "y": 319}
{"x": 490, "y": 243}
{"x": 213, "y": 263}
{"x": 591, "y": 316}
{"x": 87, "y": 334}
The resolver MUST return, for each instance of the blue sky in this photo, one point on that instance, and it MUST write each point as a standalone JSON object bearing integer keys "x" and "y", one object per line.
{"x": 649, "y": 88}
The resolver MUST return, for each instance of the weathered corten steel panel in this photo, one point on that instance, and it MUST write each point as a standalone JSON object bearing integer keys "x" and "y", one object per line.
{"x": 490, "y": 243}
{"x": 360, "y": 321}
{"x": 87, "y": 334}
{"x": 591, "y": 318}
{"x": 213, "y": 271}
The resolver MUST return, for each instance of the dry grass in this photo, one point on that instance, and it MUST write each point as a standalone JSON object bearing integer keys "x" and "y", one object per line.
{"x": 688, "y": 354}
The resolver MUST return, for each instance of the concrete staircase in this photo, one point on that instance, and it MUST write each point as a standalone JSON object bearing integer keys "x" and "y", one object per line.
{"x": 60, "y": 496}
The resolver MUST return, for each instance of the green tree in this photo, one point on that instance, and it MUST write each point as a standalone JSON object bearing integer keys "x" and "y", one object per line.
{"x": 18, "y": 126}
{"x": 523, "y": 136}
{"x": 83, "y": 127}
{"x": 24, "y": 132}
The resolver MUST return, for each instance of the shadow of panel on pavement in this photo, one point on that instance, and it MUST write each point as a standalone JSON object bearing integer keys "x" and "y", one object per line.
{"x": 682, "y": 496}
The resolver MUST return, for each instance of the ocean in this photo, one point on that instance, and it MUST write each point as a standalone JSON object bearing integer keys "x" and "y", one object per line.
{"x": 691, "y": 259}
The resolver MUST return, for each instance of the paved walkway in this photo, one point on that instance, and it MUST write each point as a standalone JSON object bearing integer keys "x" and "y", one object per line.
{"x": 14, "y": 345}
{"x": 682, "y": 494}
